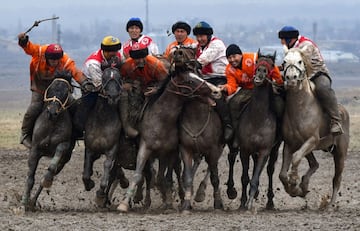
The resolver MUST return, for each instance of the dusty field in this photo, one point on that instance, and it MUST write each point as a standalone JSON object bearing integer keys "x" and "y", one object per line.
{"x": 67, "y": 206}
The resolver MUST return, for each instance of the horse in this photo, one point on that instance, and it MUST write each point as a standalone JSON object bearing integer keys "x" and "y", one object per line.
{"x": 198, "y": 139}
{"x": 306, "y": 128}
{"x": 158, "y": 127}
{"x": 257, "y": 135}
{"x": 52, "y": 137}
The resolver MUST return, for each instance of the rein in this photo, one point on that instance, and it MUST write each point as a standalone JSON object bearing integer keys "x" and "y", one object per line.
{"x": 182, "y": 86}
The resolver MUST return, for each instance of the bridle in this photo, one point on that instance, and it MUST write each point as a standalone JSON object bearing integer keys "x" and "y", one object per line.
{"x": 103, "y": 93}
{"x": 55, "y": 98}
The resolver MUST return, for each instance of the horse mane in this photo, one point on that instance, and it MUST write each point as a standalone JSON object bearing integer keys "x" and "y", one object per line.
{"x": 64, "y": 74}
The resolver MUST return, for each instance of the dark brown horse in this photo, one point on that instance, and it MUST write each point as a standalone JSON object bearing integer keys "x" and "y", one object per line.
{"x": 159, "y": 133}
{"x": 306, "y": 128}
{"x": 52, "y": 137}
{"x": 256, "y": 130}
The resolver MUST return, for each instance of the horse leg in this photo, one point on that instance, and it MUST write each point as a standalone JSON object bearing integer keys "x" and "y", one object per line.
{"x": 313, "y": 166}
{"x": 339, "y": 155}
{"x": 188, "y": 175}
{"x": 270, "y": 171}
{"x": 33, "y": 162}
{"x": 148, "y": 171}
{"x": 177, "y": 169}
{"x": 89, "y": 160}
{"x": 200, "y": 193}
{"x": 286, "y": 161}
{"x": 142, "y": 157}
{"x": 306, "y": 148}
{"x": 231, "y": 191}
{"x": 161, "y": 184}
{"x": 244, "y": 178}
{"x": 214, "y": 178}
{"x": 109, "y": 163}
{"x": 56, "y": 164}
{"x": 254, "y": 183}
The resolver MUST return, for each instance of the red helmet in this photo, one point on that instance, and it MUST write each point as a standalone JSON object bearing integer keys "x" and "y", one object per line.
{"x": 54, "y": 51}
{"x": 138, "y": 51}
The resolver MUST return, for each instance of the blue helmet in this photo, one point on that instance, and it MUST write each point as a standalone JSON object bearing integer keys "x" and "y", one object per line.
{"x": 288, "y": 33}
{"x": 134, "y": 22}
{"x": 202, "y": 28}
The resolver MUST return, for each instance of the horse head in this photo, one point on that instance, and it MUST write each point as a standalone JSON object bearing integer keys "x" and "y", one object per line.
{"x": 183, "y": 58}
{"x": 56, "y": 96}
{"x": 111, "y": 85}
{"x": 294, "y": 68}
{"x": 264, "y": 67}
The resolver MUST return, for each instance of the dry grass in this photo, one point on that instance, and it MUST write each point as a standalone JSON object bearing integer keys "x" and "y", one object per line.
{"x": 10, "y": 122}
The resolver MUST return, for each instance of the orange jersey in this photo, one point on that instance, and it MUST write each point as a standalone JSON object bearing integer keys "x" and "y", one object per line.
{"x": 41, "y": 74}
{"x": 153, "y": 71}
{"x": 243, "y": 77}
{"x": 188, "y": 41}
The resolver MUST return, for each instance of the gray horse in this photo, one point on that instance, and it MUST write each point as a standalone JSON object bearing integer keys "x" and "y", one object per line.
{"x": 52, "y": 137}
{"x": 257, "y": 135}
{"x": 159, "y": 133}
{"x": 306, "y": 128}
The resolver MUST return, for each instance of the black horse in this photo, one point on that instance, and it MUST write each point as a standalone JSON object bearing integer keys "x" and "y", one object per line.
{"x": 257, "y": 135}
{"x": 52, "y": 137}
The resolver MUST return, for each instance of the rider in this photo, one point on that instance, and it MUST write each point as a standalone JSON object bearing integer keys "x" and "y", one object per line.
{"x": 211, "y": 61}
{"x": 144, "y": 68}
{"x": 107, "y": 55}
{"x": 135, "y": 27}
{"x": 45, "y": 62}
{"x": 240, "y": 74}
{"x": 181, "y": 31}
{"x": 319, "y": 75}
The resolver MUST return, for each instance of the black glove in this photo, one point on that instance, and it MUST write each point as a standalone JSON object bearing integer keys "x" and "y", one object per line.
{"x": 198, "y": 65}
{"x": 23, "y": 40}
{"x": 88, "y": 86}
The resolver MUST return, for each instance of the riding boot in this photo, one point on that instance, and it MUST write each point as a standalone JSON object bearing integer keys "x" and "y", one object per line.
{"x": 223, "y": 110}
{"x": 30, "y": 117}
{"x": 124, "y": 110}
{"x": 326, "y": 95}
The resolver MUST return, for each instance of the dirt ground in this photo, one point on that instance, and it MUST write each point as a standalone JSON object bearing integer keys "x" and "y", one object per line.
{"x": 67, "y": 206}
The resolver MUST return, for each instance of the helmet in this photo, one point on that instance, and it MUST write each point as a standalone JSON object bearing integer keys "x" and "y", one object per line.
{"x": 110, "y": 43}
{"x": 54, "y": 51}
{"x": 288, "y": 32}
{"x": 203, "y": 28}
{"x": 181, "y": 25}
{"x": 138, "y": 51}
{"x": 134, "y": 22}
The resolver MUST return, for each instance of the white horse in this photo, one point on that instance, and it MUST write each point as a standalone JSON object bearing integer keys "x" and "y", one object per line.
{"x": 306, "y": 128}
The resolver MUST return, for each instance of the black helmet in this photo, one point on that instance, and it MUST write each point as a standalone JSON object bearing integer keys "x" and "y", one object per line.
{"x": 203, "y": 28}
{"x": 181, "y": 25}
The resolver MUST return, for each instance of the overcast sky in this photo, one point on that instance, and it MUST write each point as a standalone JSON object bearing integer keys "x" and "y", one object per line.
{"x": 20, "y": 15}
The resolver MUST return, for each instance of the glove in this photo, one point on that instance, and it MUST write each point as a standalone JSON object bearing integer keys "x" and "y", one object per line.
{"x": 23, "y": 39}
{"x": 88, "y": 86}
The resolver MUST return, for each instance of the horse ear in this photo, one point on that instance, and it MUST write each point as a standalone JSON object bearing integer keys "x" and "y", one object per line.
{"x": 259, "y": 52}
{"x": 274, "y": 56}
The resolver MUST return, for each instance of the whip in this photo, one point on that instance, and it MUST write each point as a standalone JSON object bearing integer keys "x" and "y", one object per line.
{"x": 36, "y": 23}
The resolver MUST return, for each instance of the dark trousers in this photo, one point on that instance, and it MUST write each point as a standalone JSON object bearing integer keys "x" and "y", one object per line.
{"x": 31, "y": 114}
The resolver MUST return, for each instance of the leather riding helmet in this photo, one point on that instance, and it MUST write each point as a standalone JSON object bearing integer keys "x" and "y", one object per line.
{"x": 288, "y": 33}
{"x": 138, "y": 51}
{"x": 110, "y": 43}
{"x": 54, "y": 52}
{"x": 203, "y": 28}
{"x": 134, "y": 22}
{"x": 181, "y": 25}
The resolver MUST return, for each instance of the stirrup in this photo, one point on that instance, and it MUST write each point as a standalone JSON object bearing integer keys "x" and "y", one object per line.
{"x": 336, "y": 128}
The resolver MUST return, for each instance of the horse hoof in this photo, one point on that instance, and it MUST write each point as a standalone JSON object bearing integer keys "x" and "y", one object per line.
{"x": 200, "y": 196}
{"x": 123, "y": 207}
{"x": 186, "y": 206}
{"x": 232, "y": 193}
{"x": 89, "y": 184}
{"x": 218, "y": 205}
{"x": 47, "y": 181}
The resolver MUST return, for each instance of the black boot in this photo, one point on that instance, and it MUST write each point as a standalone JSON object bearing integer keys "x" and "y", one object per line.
{"x": 124, "y": 109}
{"x": 29, "y": 119}
{"x": 223, "y": 110}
